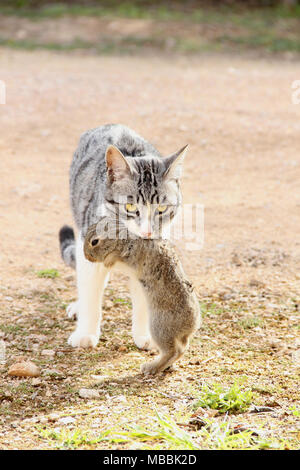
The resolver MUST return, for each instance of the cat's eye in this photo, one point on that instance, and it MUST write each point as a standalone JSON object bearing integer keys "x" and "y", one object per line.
{"x": 162, "y": 209}
{"x": 131, "y": 207}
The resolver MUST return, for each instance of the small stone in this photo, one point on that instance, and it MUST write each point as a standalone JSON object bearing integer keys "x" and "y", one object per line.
{"x": 67, "y": 420}
{"x": 120, "y": 399}
{"x": 34, "y": 419}
{"x": 99, "y": 378}
{"x": 48, "y": 352}
{"x": 88, "y": 393}
{"x": 36, "y": 381}
{"x": 108, "y": 304}
{"x": 24, "y": 369}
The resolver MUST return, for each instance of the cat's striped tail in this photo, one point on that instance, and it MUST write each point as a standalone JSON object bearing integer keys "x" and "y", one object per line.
{"x": 67, "y": 245}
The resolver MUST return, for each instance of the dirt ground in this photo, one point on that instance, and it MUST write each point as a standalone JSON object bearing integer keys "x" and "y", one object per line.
{"x": 243, "y": 165}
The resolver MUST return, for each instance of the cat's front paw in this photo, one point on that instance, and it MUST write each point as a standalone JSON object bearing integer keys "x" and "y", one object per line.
{"x": 72, "y": 310}
{"x": 79, "y": 340}
{"x": 145, "y": 342}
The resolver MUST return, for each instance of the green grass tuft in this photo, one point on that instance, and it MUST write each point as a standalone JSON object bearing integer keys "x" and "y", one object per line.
{"x": 71, "y": 439}
{"x": 165, "y": 430}
{"x": 232, "y": 400}
{"x": 48, "y": 273}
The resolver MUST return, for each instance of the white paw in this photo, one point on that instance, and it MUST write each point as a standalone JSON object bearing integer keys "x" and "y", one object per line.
{"x": 145, "y": 342}
{"x": 72, "y": 310}
{"x": 80, "y": 340}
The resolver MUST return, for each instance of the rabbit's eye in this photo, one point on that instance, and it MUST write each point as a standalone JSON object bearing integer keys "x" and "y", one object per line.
{"x": 95, "y": 242}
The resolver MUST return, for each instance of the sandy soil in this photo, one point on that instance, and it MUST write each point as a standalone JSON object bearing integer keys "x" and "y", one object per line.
{"x": 243, "y": 165}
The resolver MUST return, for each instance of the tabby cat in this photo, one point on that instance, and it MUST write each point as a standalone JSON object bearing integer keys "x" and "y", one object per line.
{"x": 117, "y": 174}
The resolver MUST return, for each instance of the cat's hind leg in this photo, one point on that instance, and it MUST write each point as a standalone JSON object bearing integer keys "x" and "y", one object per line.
{"x": 140, "y": 316}
{"x": 91, "y": 281}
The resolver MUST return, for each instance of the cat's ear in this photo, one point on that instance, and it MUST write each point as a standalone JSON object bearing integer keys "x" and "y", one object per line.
{"x": 116, "y": 164}
{"x": 174, "y": 164}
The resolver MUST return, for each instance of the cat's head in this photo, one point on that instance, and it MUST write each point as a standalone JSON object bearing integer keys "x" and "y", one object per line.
{"x": 143, "y": 192}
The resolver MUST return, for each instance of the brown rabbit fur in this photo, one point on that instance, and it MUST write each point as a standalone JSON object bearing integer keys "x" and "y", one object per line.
{"x": 174, "y": 312}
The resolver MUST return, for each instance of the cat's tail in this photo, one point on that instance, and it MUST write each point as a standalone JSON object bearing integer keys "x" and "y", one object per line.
{"x": 67, "y": 245}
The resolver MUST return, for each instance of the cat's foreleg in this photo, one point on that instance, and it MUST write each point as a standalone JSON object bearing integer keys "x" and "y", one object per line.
{"x": 91, "y": 281}
{"x": 140, "y": 316}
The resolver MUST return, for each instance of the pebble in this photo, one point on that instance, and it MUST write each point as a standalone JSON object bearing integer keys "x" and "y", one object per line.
{"x": 36, "y": 381}
{"x": 120, "y": 399}
{"x": 108, "y": 304}
{"x": 99, "y": 378}
{"x": 24, "y": 369}
{"x": 48, "y": 352}
{"x": 88, "y": 393}
{"x": 67, "y": 420}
